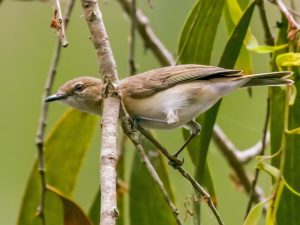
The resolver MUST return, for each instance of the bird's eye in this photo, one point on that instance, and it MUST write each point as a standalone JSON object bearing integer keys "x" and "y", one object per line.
{"x": 79, "y": 87}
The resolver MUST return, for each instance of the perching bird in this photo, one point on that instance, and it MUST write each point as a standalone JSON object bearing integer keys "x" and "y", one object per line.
{"x": 167, "y": 97}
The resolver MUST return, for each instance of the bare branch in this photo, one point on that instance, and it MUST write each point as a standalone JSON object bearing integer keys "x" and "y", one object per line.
{"x": 294, "y": 25}
{"x": 262, "y": 152}
{"x": 235, "y": 160}
{"x": 183, "y": 172}
{"x": 132, "y": 39}
{"x": 229, "y": 149}
{"x": 57, "y": 23}
{"x": 44, "y": 115}
{"x": 111, "y": 106}
{"x": 294, "y": 12}
{"x": 150, "y": 39}
{"x": 126, "y": 125}
{"x": 269, "y": 39}
{"x": 245, "y": 156}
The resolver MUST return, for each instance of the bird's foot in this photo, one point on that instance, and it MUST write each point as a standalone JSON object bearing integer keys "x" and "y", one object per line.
{"x": 175, "y": 162}
{"x": 135, "y": 122}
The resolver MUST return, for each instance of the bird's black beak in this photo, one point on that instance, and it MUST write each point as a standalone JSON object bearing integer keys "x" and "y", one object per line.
{"x": 55, "y": 97}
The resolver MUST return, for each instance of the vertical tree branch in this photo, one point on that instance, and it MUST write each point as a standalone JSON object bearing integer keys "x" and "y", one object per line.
{"x": 44, "y": 115}
{"x": 111, "y": 106}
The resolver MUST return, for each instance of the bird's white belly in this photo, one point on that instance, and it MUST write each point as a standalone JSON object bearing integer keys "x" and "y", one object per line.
{"x": 186, "y": 101}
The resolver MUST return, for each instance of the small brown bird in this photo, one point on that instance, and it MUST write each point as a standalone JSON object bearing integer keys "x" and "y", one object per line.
{"x": 168, "y": 97}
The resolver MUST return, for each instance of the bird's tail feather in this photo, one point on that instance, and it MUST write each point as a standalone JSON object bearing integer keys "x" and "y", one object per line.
{"x": 269, "y": 79}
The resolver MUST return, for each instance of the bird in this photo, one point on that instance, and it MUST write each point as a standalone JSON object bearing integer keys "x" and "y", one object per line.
{"x": 167, "y": 97}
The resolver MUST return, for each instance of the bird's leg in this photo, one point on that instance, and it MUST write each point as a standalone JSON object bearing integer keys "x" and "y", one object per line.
{"x": 195, "y": 129}
{"x": 138, "y": 119}
{"x": 171, "y": 119}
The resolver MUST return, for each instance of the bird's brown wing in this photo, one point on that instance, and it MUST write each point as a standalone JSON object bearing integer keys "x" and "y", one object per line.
{"x": 153, "y": 81}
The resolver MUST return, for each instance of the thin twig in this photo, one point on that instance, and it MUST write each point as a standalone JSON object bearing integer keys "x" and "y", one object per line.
{"x": 126, "y": 125}
{"x": 132, "y": 39}
{"x": 294, "y": 12}
{"x": 184, "y": 173}
{"x": 44, "y": 115}
{"x": 286, "y": 12}
{"x": 126, "y": 128}
{"x": 202, "y": 192}
{"x": 232, "y": 155}
{"x": 248, "y": 154}
{"x": 269, "y": 39}
{"x": 229, "y": 149}
{"x": 111, "y": 107}
{"x": 150, "y": 39}
{"x": 263, "y": 148}
{"x": 57, "y": 23}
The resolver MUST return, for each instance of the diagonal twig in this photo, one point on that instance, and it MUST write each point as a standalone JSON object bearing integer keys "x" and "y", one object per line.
{"x": 263, "y": 148}
{"x": 150, "y": 39}
{"x": 294, "y": 26}
{"x": 44, "y": 114}
{"x": 184, "y": 173}
{"x": 234, "y": 160}
{"x": 127, "y": 128}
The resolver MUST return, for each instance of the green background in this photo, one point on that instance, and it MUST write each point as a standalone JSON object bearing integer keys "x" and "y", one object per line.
{"x": 26, "y": 50}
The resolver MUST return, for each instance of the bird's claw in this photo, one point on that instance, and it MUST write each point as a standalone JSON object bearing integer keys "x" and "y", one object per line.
{"x": 135, "y": 122}
{"x": 175, "y": 162}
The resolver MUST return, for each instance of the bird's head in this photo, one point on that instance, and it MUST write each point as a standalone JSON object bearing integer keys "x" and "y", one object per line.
{"x": 83, "y": 93}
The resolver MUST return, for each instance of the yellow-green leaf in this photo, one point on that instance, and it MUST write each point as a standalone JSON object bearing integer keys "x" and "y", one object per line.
{"x": 288, "y": 59}
{"x": 235, "y": 14}
{"x": 146, "y": 202}
{"x": 255, "y": 214}
{"x": 263, "y": 49}
{"x": 199, "y": 31}
{"x": 65, "y": 148}
{"x": 73, "y": 214}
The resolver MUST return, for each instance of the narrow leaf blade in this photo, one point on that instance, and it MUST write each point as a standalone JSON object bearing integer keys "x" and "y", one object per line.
{"x": 65, "y": 147}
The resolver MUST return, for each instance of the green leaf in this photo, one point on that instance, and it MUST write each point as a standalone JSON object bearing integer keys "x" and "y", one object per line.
{"x": 263, "y": 49}
{"x": 195, "y": 46}
{"x": 233, "y": 13}
{"x": 233, "y": 46}
{"x": 228, "y": 60}
{"x": 236, "y": 13}
{"x": 94, "y": 212}
{"x": 147, "y": 204}
{"x": 65, "y": 148}
{"x": 288, "y": 59}
{"x": 272, "y": 170}
{"x": 255, "y": 214}
{"x": 289, "y": 204}
{"x": 73, "y": 214}
{"x": 198, "y": 35}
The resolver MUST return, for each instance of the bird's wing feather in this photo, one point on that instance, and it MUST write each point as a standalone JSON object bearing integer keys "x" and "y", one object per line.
{"x": 150, "y": 82}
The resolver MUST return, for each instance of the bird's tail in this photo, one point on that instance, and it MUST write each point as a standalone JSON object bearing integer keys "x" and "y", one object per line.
{"x": 269, "y": 79}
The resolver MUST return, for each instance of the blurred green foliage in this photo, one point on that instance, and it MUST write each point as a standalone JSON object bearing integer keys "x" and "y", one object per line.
{"x": 26, "y": 49}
